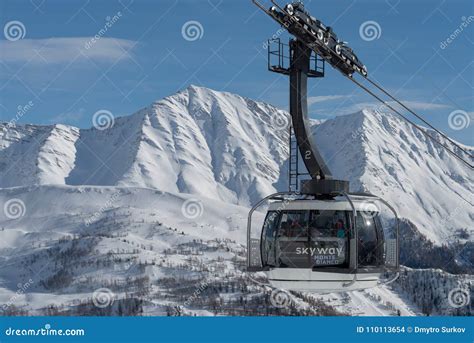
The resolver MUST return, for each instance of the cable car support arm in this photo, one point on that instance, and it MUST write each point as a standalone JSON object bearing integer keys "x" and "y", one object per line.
{"x": 323, "y": 41}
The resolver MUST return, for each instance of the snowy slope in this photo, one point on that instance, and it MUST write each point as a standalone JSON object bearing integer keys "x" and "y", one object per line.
{"x": 126, "y": 227}
{"x": 222, "y": 146}
{"x": 93, "y": 237}
{"x": 160, "y": 201}
{"x": 197, "y": 141}
{"x": 154, "y": 246}
{"x": 382, "y": 154}
{"x": 33, "y": 154}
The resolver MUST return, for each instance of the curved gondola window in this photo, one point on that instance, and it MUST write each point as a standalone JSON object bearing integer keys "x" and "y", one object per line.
{"x": 329, "y": 232}
{"x": 306, "y": 239}
{"x": 370, "y": 240}
{"x": 269, "y": 235}
{"x": 292, "y": 240}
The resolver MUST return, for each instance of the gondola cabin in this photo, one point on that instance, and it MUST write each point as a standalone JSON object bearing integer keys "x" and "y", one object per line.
{"x": 326, "y": 245}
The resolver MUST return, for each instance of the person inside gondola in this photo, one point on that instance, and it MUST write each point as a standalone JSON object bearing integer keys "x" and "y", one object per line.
{"x": 295, "y": 229}
{"x": 284, "y": 228}
{"x": 295, "y": 224}
{"x": 340, "y": 229}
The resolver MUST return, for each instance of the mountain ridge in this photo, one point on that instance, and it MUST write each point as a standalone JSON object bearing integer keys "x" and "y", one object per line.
{"x": 223, "y": 146}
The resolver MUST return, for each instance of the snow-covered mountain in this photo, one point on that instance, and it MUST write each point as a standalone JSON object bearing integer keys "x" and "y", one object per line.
{"x": 383, "y": 154}
{"x": 163, "y": 195}
{"x": 143, "y": 251}
{"x": 222, "y": 146}
{"x": 199, "y": 141}
{"x": 173, "y": 253}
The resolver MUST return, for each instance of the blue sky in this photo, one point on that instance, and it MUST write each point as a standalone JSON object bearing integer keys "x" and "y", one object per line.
{"x": 143, "y": 56}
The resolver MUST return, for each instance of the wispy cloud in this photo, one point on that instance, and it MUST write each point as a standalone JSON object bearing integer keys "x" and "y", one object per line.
{"x": 324, "y": 98}
{"x": 68, "y": 117}
{"x": 420, "y": 105}
{"x": 64, "y": 50}
{"x": 356, "y": 107}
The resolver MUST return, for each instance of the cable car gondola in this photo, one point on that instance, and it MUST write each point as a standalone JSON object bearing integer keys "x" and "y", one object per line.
{"x": 324, "y": 244}
{"x": 319, "y": 237}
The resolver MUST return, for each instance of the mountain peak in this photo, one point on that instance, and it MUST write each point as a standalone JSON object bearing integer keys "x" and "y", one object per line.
{"x": 223, "y": 146}
{"x": 196, "y": 87}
